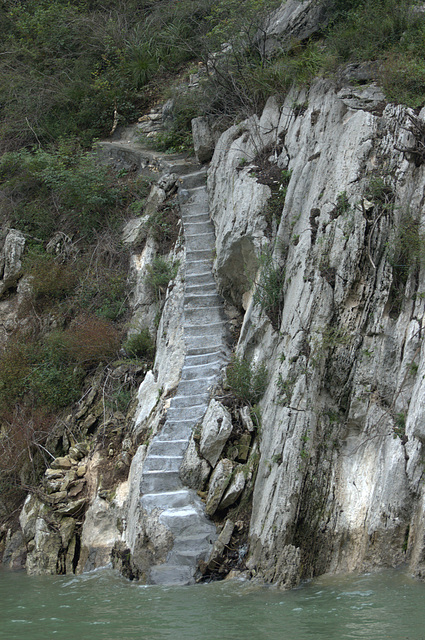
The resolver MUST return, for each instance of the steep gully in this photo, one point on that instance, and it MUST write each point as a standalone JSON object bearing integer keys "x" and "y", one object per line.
{"x": 161, "y": 490}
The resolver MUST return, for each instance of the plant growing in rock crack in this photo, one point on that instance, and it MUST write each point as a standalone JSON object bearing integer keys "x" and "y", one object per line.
{"x": 330, "y": 338}
{"x": 246, "y": 380}
{"x": 285, "y": 387}
{"x": 276, "y": 201}
{"x": 163, "y": 224}
{"x": 268, "y": 293}
{"x": 342, "y": 205}
{"x": 399, "y": 428}
{"x": 406, "y": 254}
{"x": 159, "y": 274}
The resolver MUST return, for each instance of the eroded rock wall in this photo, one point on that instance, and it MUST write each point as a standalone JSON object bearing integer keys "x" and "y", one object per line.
{"x": 339, "y": 485}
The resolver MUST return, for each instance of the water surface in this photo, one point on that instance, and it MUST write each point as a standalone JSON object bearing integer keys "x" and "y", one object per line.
{"x": 103, "y": 606}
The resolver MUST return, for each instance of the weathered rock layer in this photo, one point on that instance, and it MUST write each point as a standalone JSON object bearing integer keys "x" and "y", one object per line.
{"x": 339, "y": 483}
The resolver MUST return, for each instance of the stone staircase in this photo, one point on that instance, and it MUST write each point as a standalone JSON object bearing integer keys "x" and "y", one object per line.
{"x": 161, "y": 488}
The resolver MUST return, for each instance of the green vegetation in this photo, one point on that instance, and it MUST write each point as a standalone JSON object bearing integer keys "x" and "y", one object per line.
{"x": 268, "y": 293}
{"x": 285, "y": 388}
{"x": 177, "y": 137}
{"x": 68, "y": 71}
{"x": 65, "y": 68}
{"x": 47, "y": 371}
{"x": 399, "y": 429}
{"x": 389, "y": 31}
{"x": 140, "y": 345}
{"x": 247, "y": 381}
{"x": 163, "y": 225}
{"x": 406, "y": 254}
{"x": 62, "y": 189}
{"x": 276, "y": 201}
{"x": 159, "y": 274}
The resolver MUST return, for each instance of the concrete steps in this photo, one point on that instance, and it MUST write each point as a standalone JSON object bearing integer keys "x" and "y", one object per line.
{"x": 181, "y": 510}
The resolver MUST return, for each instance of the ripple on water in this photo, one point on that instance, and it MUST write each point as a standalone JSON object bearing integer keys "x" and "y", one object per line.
{"x": 103, "y": 606}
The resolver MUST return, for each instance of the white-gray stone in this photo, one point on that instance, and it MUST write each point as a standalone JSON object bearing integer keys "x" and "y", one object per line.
{"x": 203, "y": 140}
{"x": 100, "y": 533}
{"x": 219, "y": 480}
{"x": 234, "y": 490}
{"x": 220, "y": 544}
{"x": 10, "y": 259}
{"x": 194, "y": 470}
{"x": 135, "y": 231}
{"x": 216, "y": 429}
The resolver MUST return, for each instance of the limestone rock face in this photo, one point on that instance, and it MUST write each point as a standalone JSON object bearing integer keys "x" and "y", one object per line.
{"x": 99, "y": 535}
{"x": 15, "y": 552}
{"x": 293, "y": 21}
{"x": 234, "y": 490}
{"x": 238, "y": 235}
{"x": 216, "y": 428}
{"x": 342, "y": 416}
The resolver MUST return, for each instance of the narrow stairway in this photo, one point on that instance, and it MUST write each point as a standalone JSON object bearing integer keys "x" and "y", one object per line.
{"x": 161, "y": 488}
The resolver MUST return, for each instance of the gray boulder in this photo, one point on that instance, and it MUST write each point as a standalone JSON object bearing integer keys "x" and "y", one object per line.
{"x": 203, "y": 140}
{"x": 216, "y": 429}
{"x": 10, "y": 260}
{"x": 218, "y": 484}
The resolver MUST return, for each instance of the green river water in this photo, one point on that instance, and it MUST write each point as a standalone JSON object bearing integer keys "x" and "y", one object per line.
{"x": 103, "y": 606}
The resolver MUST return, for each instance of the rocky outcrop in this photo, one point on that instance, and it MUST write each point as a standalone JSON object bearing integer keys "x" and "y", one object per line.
{"x": 338, "y": 480}
{"x": 293, "y": 21}
{"x": 10, "y": 260}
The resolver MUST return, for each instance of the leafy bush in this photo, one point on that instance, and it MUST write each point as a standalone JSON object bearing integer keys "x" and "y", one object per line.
{"x": 15, "y": 369}
{"x": 390, "y": 31}
{"x": 247, "y": 381}
{"x": 104, "y": 293}
{"x": 37, "y": 374}
{"x": 403, "y": 78}
{"x": 371, "y": 28}
{"x": 140, "y": 345}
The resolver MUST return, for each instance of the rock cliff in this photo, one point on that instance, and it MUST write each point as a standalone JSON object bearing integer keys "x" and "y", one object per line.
{"x": 339, "y": 484}
{"x": 308, "y": 455}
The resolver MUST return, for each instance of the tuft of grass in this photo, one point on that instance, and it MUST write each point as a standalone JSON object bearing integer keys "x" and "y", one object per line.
{"x": 51, "y": 280}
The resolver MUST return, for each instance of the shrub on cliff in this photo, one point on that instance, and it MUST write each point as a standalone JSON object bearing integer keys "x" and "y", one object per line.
{"x": 140, "y": 345}
{"x": 268, "y": 291}
{"x": 159, "y": 274}
{"x": 247, "y": 381}
{"x": 90, "y": 341}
